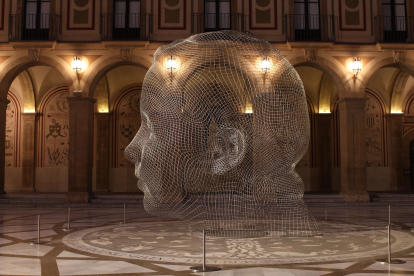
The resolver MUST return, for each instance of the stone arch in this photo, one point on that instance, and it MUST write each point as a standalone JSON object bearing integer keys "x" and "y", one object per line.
{"x": 366, "y": 74}
{"x": 336, "y": 74}
{"x": 409, "y": 105}
{"x": 308, "y": 160}
{"x": 376, "y": 130}
{"x": 325, "y": 94}
{"x": 92, "y": 78}
{"x": 102, "y": 95}
{"x": 27, "y": 91}
{"x": 398, "y": 91}
{"x": 407, "y": 138}
{"x": 126, "y": 121}
{"x": 53, "y": 129}
{"x": 336, "y": 135}
{"x": 14, "y": 68}
{"x": 13, "y": 131}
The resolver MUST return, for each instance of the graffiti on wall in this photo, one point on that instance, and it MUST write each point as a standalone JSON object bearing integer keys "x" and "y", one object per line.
{"x": 373, "y": 132}
{"x": 128, "y": 121}
{"x": 56, "y": 130}
{"x": 10, "y": 147}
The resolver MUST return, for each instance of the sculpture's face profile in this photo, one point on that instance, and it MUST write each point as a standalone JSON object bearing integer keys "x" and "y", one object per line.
{"x": 224, "y": 122}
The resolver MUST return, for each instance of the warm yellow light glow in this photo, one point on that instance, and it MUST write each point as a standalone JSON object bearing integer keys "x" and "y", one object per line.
{"x": 396, "y": 112}
{"x": 324, "y": 111}
{"x": 356, "y": 66}
{"x": 265, "y": 65}
{"x": 103, "y": 111}
{"x": 248, "y": 108}
{"x": 29, "y": 111}
{"x": 77, "y": 64}
{"x": 171, "y": 64}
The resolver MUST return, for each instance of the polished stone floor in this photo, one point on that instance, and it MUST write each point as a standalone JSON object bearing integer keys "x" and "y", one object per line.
{"x": 353, "y": 237}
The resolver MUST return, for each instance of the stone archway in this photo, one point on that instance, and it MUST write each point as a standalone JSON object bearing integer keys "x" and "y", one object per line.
{"x": 12, "y": 70}
{"x": 335, "y": 73}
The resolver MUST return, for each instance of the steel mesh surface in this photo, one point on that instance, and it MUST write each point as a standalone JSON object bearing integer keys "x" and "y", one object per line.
{"x": 224, "y": 122}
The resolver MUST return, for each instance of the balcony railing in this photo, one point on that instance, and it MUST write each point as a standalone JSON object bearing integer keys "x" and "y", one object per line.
{"x": 42, "y": 26}
{"x": 125, "y": 26}
{"x": 399, "y": 29}
{"x": 211, "y": 22}
{"x": 311, "y": 27}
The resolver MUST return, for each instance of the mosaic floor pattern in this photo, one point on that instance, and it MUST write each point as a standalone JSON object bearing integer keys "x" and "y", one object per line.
{"x": 353, "y": 238}
{"x": 172, "y": 242}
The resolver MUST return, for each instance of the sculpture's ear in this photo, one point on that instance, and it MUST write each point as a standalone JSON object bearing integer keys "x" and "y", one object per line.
{"x": 228, "y": 149}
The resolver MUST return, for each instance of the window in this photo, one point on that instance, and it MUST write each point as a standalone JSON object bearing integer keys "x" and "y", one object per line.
{"x": 395, "y": 11}
{"x": 127, "y": 19}
{"x": 37, "y": 19}
{"x": 307, "y": 19}
{"x": 217, "y": 15}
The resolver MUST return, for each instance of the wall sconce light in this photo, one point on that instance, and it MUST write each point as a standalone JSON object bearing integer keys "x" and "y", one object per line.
{"x": 77, "y": 64}
{"x": 356, "y": 66}
{"x": 171, "y": 64}
{"x": 265, "y": 65}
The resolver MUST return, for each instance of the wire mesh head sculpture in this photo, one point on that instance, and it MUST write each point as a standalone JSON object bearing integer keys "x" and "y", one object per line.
{"x": 224, "y": 122}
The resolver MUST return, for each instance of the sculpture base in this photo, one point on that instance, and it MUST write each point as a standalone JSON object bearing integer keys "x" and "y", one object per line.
{"x": 393, "y": 261}
{"x": 200, "y": 268}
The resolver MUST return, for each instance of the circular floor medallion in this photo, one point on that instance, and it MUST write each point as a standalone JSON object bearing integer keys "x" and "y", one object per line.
{"x": 173, "y": 242}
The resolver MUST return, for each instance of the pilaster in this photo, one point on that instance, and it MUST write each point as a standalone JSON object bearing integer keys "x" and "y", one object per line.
{"x": 323, "y": 129}
{"x": 352, "y": 145}
{"x": 3, "y": 107}
{"x": 28, "y": 154}
{"x": 81, "y": 112}
{"x": 395, "y": 142}
{"x": 102, "y": 152}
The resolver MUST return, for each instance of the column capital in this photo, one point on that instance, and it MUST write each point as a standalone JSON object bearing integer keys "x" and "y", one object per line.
{"x": 28, "y": 116}
{"x": 351, "y": 101}
{"x": 81, "y": 100}
{"x": 395, "y": 115}
{"x": 103, "y": 114}
{"x": 4, "y": 102}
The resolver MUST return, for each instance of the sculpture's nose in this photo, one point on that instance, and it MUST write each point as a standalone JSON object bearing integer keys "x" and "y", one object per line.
{"x": 133, "y": 151}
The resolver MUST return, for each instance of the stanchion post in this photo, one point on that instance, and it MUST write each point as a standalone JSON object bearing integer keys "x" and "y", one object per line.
{"x": 38, "y": 229}
{"x": 389, "y": 260}
{"x": 69, "y": 219}
{"x": 389, "y": 214}
{"x": 389, "y": 244}
{"x": 204, "y": 249}
{"x": 204, "y": 268}
{"x": 38, "y": 233}
{"x": 68, "y": 229}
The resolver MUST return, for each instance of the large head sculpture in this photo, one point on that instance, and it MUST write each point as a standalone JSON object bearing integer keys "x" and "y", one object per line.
{"x": 224, "y": 122}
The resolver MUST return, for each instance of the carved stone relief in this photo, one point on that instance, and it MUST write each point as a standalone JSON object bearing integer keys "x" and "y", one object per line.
{"x": 128, "y": 120}
{"x": 373, "y": 132}
{"x": 11, "y": 143}
{"x": 56, "y": 131}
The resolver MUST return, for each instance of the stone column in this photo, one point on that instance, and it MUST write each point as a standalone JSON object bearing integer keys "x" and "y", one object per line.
{"x": 323, "y": 131}
{"x": 3, "y": 107}
{"x": 28, "y": 154}
{"x": 102, "y": 152}
{"x": 81, "y": 112}
{"x": 352, "y": 146}
{"x": 395, "y": 142}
